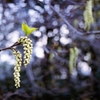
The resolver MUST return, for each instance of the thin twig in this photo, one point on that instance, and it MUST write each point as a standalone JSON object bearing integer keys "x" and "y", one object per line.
{"x": 71, "y": 27}
{"x": 67, "y": 23}
{"x": 15, "y": 44}
{"x": 93, "y": 32}
{"x": 74, "y": 33}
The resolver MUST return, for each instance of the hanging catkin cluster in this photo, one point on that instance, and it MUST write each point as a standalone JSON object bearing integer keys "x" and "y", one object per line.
{"x": 88, "y": 15}
{"x": 27, "y": 44}
{"x": 18, "y": 64}
{"x": 27, "y": 48}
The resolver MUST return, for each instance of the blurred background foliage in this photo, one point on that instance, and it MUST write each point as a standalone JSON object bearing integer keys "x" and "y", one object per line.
{"x": 48, "y": 74}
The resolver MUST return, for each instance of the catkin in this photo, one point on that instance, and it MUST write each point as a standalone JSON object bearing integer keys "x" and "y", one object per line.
{"x": 88, "y": 16}
{"x": 75, "y": 55}
{"x": 27, "y": 44}
{"x": 18, "y": 63}
{"x": 73, "y": 58}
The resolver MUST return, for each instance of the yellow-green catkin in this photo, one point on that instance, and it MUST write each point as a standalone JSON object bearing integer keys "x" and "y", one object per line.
{"x": 75, "y": 55}
{"x": 27, "y": 44}
{"x": 88, "y": 15}
{"x": 73, "y": 58}
{"x": 18, "y": 64}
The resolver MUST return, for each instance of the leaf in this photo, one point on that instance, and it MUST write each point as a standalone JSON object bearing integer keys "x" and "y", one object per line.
{"x": 28, "y": 30}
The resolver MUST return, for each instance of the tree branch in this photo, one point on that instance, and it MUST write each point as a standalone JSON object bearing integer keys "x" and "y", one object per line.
{"x": 67, "y": 23}
{"x": 15, "y": 44}
{"x": 74, "y": 33}
{"x": 93, "y": 32}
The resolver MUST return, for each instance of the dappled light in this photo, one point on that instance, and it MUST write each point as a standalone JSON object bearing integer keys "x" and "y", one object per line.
{"x": 54, "y": 44}
{"x": 84, "y": 68}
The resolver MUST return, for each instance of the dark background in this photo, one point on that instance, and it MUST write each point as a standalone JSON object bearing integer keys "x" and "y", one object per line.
{"x": 60, "y": 26}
